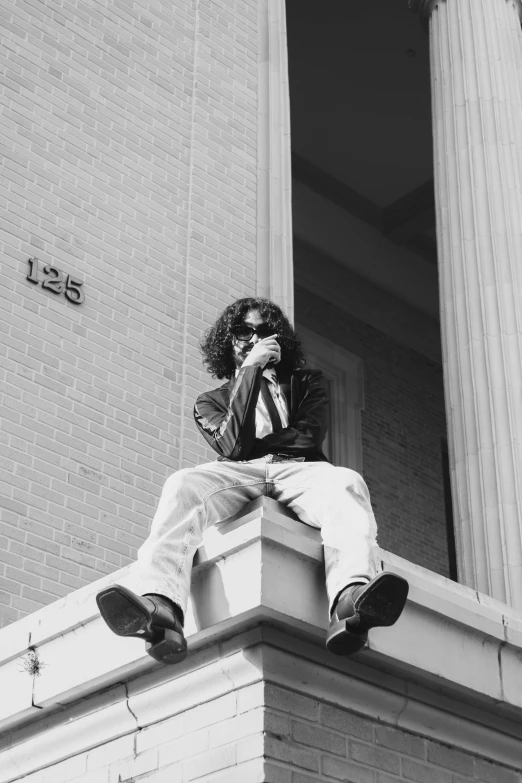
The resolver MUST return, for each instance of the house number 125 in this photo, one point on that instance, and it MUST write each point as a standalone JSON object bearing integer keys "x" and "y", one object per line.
{"x": 57, "y": 281}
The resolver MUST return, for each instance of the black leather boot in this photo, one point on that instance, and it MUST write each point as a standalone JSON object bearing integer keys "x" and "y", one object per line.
{"x": 153, "y": 618}
{"x": 361, "y": 607}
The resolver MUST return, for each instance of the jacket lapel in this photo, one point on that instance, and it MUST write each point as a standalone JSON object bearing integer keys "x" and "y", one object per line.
{"x": 287, "y": 382}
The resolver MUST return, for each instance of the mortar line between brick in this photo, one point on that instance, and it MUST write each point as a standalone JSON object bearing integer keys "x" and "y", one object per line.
{"x": 189, "y": 219}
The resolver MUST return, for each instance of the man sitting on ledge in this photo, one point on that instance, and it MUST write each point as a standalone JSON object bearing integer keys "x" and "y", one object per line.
{"x": 267, "y": 423}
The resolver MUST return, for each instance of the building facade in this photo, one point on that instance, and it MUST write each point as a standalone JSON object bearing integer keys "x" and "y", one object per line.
{"x": 361, "y": 166}
{"x": 141, "y": 162}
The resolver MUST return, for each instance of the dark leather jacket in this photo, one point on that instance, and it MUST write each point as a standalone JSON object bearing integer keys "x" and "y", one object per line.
{"x": 226, "y": 417}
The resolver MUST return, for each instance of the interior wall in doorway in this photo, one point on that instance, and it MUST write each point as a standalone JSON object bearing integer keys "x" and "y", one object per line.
{"x": 402, "y": 423}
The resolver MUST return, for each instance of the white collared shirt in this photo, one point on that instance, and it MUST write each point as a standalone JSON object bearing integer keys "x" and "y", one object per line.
{"x": 263, "y": 423}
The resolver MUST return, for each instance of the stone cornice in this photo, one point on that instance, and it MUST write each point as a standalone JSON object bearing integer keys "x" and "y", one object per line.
{"x": 450, "y": 667}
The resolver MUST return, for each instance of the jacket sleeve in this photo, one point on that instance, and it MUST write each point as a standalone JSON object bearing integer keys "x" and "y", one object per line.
{"x": 307, "y": 428}
{"x": 231, "y": 430}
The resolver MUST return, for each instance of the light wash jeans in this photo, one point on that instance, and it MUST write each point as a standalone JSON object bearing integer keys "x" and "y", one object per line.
{"x": 335, "y": 500}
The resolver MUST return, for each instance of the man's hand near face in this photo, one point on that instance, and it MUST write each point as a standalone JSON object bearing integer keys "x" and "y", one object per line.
{"x": 264, "y": 352}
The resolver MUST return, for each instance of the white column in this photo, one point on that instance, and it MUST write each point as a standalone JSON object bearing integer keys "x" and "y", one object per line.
{"x": 275, "y": 278}
{"x": 476, "y": 76}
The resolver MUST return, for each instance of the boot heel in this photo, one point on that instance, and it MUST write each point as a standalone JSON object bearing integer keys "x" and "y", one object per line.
{"x": 343, "y": 640}
{"x": 167, "y": 646}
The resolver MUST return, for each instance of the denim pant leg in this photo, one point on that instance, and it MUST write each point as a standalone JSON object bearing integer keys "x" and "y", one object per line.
{"x": 192, "y": 499}
{"x": 337, "y": 501}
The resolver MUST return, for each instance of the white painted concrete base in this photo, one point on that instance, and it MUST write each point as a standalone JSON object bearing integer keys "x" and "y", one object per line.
{"x": 450, "y": 668}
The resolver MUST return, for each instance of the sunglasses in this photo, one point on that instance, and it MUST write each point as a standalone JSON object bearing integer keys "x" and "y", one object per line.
{"x": 245, "y": 333}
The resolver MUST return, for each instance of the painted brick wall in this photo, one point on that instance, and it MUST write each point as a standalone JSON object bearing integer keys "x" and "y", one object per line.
{"x": 402, "y": 426}
{"x": 264, "y": 732}
{"x": 219, "y": 740}
{"x": 129, "y": 161}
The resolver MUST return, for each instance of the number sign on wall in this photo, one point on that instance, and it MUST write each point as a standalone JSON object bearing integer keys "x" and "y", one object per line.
{"x": 56, "y": 281}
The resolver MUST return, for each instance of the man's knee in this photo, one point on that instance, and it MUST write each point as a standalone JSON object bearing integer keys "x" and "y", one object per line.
{"x": 186, "y": 480}
{"x": 346, "y": 476}
{"x": 349, "y": 480}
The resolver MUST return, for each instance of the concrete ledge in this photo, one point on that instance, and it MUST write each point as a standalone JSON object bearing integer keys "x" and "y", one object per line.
{"x": 454, "y": 652}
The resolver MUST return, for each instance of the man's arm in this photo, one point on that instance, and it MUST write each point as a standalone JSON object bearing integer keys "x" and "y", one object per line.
{"x": 308, "y": 426}
{"x": 231, "y": 431}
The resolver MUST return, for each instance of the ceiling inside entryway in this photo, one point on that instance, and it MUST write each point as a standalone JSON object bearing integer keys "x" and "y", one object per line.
{"x": 361, "y": 121}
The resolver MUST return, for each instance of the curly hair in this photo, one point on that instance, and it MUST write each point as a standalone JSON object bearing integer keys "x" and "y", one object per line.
{"x": 216, "y": 345}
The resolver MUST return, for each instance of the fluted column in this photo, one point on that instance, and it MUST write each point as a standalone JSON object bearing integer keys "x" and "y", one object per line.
{"x": 476, "y": 76}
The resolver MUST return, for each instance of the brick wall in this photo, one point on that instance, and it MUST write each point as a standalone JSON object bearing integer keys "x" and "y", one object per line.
{"x": 402, "y": 425}
{"x": 129, "y": 144}
{"x": 309, "y": 740}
